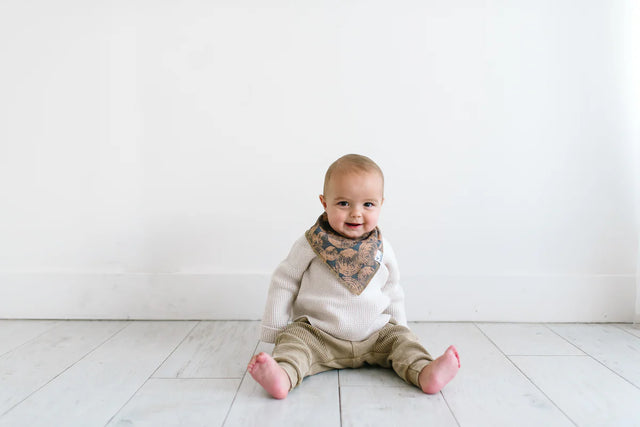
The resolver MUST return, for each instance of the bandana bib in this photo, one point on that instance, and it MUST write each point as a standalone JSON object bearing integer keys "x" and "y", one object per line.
{"x": 353, "y": 261}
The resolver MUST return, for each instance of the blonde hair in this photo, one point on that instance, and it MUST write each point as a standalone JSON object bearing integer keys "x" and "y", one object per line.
{"x": 352, "y": 163}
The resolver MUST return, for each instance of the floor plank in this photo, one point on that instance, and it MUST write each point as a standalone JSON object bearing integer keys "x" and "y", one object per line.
{"x": 94, "y": 389}
{"x": 527, "y": 339}
{"x": 403, "y": 406}
{"x": 613, "y": 347}
{"x": 589, "y": 393}
{"x": 314, "y": 403}
{"x": 179, "y": 402}
{"x": 630, "y": 328}
{"x": 371, "y": 376}
{"x": 31, "y": 366}
{"x": 216, "y": 349}
{"x": 14, "y": 333}
{"x": 488, "y": 390}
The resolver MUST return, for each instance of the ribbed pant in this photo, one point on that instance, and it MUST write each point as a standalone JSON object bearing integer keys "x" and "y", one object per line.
{"x": 302, "y": 350}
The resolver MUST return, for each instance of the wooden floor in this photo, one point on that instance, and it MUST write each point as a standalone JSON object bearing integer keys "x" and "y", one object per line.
{"x": 133, "y": 373}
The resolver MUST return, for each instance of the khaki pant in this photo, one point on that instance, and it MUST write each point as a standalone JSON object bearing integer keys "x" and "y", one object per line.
{"x": 302, "y": 350}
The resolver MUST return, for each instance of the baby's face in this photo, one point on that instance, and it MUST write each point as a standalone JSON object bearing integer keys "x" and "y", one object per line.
{"x": 352, "y": 202}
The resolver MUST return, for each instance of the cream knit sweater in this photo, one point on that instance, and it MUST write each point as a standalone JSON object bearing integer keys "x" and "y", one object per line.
{"x": 304, "y": 286}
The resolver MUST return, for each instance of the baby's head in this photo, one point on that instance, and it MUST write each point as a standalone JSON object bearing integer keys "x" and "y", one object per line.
{"x": 353, "y": 195}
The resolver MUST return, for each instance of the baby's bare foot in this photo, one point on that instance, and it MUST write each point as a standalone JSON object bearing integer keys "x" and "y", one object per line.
{"x": 438, "y": 373}
{"x": 269, "y": 375}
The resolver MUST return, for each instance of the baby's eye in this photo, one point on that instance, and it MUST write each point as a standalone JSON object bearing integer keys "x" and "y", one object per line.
{"x": 343, "y": 203}
{"x": 368, "y": 205}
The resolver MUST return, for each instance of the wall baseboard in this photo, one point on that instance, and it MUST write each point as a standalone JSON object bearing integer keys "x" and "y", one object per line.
{"x": 603, "y": 298}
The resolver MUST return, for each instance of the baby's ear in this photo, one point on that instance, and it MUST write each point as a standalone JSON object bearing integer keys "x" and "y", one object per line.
{"x": 324, "y": 203}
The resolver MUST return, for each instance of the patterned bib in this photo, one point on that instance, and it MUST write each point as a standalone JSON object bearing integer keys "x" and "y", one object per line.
{"x": 353, "y": 261}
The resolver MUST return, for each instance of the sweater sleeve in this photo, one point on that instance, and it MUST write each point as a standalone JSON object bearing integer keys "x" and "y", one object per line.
{"x": 392, "y": 288}
{"x": 283, "y": 290}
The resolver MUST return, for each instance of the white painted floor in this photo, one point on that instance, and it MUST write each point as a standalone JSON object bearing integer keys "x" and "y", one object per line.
{"x": 133, "y": 373}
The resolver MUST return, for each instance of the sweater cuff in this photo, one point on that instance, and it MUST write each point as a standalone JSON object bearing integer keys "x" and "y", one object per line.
{"x": 268, "y": 334}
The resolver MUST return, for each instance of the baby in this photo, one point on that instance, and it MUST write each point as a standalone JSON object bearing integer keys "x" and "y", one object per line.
{"x": 340, "y": 286}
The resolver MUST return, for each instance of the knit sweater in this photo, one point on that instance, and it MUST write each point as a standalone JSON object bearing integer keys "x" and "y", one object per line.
{"x": 304, "y": 286}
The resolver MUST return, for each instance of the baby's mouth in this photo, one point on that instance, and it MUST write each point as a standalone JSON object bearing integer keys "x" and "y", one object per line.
{"x": 353, "y": 225}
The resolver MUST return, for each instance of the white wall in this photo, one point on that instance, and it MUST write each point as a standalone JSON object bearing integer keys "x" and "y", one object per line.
{"x": 632, "y": 48}
{"x": 157, "y": 159}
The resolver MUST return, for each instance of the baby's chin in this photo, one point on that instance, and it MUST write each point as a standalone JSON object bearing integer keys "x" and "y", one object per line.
{"x": 352, "y": 232}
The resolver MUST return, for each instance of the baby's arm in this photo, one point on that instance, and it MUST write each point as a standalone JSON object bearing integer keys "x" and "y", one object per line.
{"x": 283, "y": 290}
{"x": 392, "y": 288}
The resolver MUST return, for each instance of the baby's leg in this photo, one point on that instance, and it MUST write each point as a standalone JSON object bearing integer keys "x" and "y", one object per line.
{"x": 438, "y": 373}
{"x": 269, "y": 375}
{"x": 300, "y": 350}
